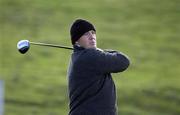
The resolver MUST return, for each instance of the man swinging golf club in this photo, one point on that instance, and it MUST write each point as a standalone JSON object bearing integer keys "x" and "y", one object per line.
{"x": 91, "y": 87}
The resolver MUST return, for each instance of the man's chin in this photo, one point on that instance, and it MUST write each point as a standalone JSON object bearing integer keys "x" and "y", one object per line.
{"x": 92, "y": 47}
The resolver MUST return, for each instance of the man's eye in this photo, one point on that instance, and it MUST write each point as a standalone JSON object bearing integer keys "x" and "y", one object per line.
{"x": 93, "y": 32}
{"x": 86, "y": 34}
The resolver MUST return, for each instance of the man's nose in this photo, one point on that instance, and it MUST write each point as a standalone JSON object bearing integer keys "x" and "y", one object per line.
{"x": 91, "y": 36}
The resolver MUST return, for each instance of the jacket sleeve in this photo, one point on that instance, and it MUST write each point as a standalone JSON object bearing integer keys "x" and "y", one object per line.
{"x": 106, "y": 61}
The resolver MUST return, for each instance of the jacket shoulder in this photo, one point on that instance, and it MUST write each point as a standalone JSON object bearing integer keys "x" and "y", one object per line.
{"x": 90, "y": 53}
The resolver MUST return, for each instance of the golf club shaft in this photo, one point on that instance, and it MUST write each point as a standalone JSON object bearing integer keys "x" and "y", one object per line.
{"x": 51, "y": 45}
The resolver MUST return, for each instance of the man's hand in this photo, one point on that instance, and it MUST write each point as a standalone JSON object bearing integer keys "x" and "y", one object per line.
{"x": 110, "y": 50}
{"x": 99, "y": 49}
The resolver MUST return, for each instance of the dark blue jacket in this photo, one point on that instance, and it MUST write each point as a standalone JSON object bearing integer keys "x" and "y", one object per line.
{"x": 91, "y": 87}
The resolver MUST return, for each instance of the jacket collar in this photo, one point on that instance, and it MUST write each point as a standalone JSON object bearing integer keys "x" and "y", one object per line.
{"x": 77, "y": 48}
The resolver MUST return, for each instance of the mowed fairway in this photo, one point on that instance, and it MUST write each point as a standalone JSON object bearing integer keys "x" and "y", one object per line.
{"x": 146, "y": 30}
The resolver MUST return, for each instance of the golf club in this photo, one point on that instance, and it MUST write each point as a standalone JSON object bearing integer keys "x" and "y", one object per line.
{"x": 24, "y": 45}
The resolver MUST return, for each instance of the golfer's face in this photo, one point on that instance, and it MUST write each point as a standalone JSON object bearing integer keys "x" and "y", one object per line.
{"x": 88, "y": 39}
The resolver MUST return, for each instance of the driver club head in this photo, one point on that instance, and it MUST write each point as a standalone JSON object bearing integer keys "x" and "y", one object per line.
{"x": 23, "y": 46}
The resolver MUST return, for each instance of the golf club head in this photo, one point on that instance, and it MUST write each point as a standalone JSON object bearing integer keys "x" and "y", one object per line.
{"x": 23, "y": 46}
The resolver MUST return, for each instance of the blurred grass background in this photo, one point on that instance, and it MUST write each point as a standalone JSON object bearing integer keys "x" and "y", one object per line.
{"x": 146, "y": 30}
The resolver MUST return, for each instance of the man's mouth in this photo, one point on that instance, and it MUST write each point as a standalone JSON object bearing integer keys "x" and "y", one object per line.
{"x": 93, "y": 43}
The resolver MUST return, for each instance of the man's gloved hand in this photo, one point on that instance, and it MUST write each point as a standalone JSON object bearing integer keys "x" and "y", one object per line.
{"x": 110, "y": 51}
{"x": 99, "y": 49}
{"x": 106, "y": 50}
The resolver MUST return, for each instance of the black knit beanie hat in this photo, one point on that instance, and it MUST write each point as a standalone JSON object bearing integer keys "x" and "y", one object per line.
{"x": 78, "y": 28}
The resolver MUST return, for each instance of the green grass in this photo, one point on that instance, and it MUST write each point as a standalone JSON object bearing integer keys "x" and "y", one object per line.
{"x": 146, "y": 30}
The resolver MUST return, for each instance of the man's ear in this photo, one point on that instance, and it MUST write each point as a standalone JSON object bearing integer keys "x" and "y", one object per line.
{"x": 77, "y": 43}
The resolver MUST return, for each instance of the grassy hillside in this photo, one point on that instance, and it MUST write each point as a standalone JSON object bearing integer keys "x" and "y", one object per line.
{"x": 146, "y": 30}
